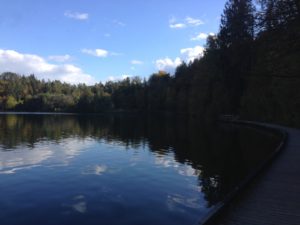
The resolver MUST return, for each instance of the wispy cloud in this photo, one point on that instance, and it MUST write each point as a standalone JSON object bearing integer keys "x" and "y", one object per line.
{"x": 187, "y": 22}
{"x": 136, "y": 62}
{"x": 193, "y": 22}
{"x": 60, "y": 58}
{"x": 117, "y": 78}
{"x": 177, "y": 25}
{"x": 76, "y": 15}
{"x": 21, "y": 63}
{"x": 101, "y": 53}
{"x": 119, "y": 23}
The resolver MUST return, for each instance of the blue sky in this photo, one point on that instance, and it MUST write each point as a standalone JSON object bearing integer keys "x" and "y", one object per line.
{"x": 95, "y": 40}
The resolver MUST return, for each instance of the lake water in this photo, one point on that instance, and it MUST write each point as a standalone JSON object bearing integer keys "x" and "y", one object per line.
{"x": 72, "y": 169}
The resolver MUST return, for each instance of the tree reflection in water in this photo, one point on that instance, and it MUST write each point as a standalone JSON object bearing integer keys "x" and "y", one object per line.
{"x": 221, "y": 155}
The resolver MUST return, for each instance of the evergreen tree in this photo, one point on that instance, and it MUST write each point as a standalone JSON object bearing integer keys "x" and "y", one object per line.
{"x": 277, "y": 13}
{"x": 235, "y": 39}
{"x": 237, "y": 23}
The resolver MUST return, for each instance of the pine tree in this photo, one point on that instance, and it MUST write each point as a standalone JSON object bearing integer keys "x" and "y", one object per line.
{"x": 235, "y": 38}
{"x": 277, "y": 13}
{"x": 237, "y": 23}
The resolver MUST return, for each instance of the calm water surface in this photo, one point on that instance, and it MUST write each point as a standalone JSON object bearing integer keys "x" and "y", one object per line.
{"x": 68, "y": 169}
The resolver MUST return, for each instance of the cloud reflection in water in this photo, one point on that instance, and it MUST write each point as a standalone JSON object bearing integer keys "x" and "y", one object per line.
{"x": 43, "y": 152}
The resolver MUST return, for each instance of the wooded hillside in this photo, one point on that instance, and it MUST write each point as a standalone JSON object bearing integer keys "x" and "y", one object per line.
{"x": 250, "y": 68}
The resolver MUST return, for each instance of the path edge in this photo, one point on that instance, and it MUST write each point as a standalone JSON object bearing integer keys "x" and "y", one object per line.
{"x": 216, "y": 211}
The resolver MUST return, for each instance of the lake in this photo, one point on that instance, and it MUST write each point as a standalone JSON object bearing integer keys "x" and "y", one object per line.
{"x": 58, "y": 169}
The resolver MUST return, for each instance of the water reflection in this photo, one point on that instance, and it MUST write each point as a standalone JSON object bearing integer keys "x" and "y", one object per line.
{"x": 184, "y": 163}
{"x": 22, "y": 156}
{"x": 95, "y": 170}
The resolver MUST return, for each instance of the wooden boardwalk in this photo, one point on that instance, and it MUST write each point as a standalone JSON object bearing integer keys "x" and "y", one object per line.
{"x": 273, "y": 198}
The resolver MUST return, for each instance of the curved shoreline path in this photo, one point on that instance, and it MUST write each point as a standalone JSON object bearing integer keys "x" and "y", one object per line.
{"x": 273, "y": 198}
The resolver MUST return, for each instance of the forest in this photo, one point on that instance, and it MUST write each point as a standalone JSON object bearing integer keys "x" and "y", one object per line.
{"x": 249, "y": 69}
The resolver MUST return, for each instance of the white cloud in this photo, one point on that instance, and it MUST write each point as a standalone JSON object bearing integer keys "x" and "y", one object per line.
{"x": 187, "y": 54}
{"x": 190, "y": 54}
{"x": 168, "y": 64}
{"x": 136, "y": 62}
{"x": 201, "y": 36}
{"x": 111, "y": 78}
{"x": 188, "y": 22}
{"x": 13, "y": 61}
{"x": 125, "y": 76}
{"x": 118, "y": 78}
{"x": 101, "y": 53}
{"x": 177, "y": 25}
{"x": 76, "y": 15}
{"x": 174, "y": 25}
{"x": 193, "y": 22}
{"x": 59, "y": 58}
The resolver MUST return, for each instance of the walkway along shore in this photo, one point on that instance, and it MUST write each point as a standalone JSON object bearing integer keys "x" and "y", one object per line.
{"x": 273, "y": 195}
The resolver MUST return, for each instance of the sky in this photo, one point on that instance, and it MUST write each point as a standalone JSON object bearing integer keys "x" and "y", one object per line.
{"x": 89, "y": 41}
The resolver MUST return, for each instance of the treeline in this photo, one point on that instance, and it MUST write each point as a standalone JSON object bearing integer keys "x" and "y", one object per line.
{"x": 27, "y": 93}
{"x": 250, "y": 68}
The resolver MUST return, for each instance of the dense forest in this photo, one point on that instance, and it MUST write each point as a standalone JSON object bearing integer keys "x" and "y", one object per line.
{"x": 250, "y": 68}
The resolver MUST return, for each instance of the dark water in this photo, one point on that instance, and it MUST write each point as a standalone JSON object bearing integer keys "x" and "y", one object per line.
{"x": 67, "y": 169}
